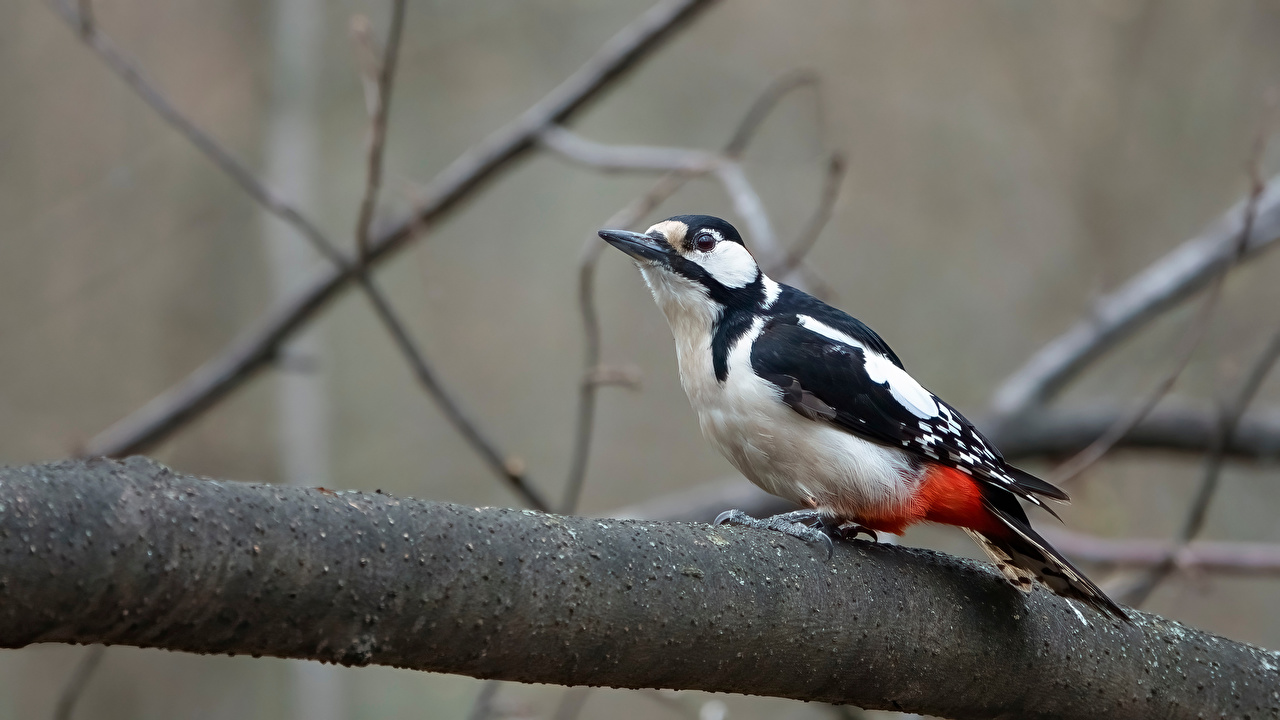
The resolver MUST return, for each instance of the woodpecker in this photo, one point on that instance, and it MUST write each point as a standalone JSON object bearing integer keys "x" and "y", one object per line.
{"x": 812, "y": 405}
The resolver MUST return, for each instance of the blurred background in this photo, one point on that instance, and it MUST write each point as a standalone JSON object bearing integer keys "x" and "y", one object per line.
{"x": 1007, "y": 163}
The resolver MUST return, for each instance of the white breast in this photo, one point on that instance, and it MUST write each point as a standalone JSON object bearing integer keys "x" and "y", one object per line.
{"x": 810, "y": 463}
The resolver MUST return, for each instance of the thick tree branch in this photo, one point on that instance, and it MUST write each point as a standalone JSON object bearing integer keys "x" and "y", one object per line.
{"x": 258, "y": 344}
{"x": 1163, "y": 284}
{"x": 131, "y": 553}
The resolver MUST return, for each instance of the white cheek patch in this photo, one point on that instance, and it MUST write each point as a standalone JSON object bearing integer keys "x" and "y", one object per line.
{"x": 729, "y": 263}
{"x": 881, "y": 369}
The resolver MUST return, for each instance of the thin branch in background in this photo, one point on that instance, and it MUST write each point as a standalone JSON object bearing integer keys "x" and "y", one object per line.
{"x": 256, "y": 347}
{"x": 482, "y": 708}
{"x": 379, "y": 110}
{"x": 1191, "y": 339}
{"x": 1226, "y": 558}
{"x": 75, "y": 684}
{"x": 111, "y": 56}
{"x": 766, "y": 102}
{"x": 571, "y": 703}
{"x": 584, "y": 425}
{"x": 504, "y": 467}
{"x": 508, "y": 468}
{"x": 818, "y": 221}
{"x": 84, "y": 14}
{"x": 1056, "y": 433}
{"x": 1199, "y": 508}
{"x": 1164, "y": 284}
{"x": 626, "y": 158}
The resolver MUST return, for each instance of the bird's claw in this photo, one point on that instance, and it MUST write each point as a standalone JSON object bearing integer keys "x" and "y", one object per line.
{"x": 806, "y": 525}
{"x": 851, "y": 531}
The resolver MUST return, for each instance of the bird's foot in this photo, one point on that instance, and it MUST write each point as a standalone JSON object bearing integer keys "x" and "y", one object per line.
{"x": 850, "y": 531}
{"x": 806, "y": 525}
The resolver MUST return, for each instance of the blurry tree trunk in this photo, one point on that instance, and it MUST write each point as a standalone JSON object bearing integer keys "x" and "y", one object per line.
{"x": 291, "y": 157}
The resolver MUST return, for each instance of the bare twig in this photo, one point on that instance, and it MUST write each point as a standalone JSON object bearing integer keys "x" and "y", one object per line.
{"x": 257, "y": 190}
{"x": 818, "y": 221}
{"x": 505, "y": 467}
{"x": 571, "y": 703}
{"x": 379, "y": 111}
{"x": 482, "y": 708}
{"x": 1199, "y": 507}
{"x": 584, "y": 425}
{"x": 1165, "y": 283}
{"x": 1191, "y": 339}
{"x": 764, "y": 105}
{"x": 75, "y": 685}
{"x": 626, "y": 158}
{"x": 1227, "y": 558}
{"x": 257, "y": 345}
{"x": 84, "y": 14}
{"x": 1123, "y": 425}
{"x": 205, "y": 143}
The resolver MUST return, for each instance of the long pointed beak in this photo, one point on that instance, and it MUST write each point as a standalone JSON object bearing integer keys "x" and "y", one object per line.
{"x": 638, "y": 246}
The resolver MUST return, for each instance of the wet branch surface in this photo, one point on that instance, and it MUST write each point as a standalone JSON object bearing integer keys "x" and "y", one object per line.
{"x": 132, "y": 553}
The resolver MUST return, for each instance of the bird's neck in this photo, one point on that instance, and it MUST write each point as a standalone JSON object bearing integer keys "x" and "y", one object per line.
{"x": 693, "y": 317}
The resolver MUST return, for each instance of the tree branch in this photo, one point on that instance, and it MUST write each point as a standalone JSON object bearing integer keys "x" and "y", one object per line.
{"x": 1057, "y": 433}
{"x": 383, "y": 70}
{"x": 259, "y": 343}
{"x": 1198, "y": 511}
{"x": 1165, "y": 283}
{"x": 379, "y": 105}
{"x": 1231, "y": 558}
{"x": 131, "y": 553}
{"x": 82, "y": 21}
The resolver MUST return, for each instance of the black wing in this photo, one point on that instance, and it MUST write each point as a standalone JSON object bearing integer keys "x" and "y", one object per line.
{"x": 797, "y": 302}
{"x": 832, "y": 381}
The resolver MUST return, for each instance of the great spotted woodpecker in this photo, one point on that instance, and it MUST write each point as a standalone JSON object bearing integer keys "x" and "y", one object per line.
{"x": 813, "y": 406}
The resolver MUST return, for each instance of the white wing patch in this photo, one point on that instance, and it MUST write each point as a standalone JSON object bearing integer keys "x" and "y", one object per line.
{"x": 881, "y": 369}
{"x": 771, "y": 291}
{"x": 729, "y": 263}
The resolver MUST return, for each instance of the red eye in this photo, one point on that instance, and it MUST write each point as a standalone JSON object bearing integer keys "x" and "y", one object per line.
{"x": 706, "y": 242}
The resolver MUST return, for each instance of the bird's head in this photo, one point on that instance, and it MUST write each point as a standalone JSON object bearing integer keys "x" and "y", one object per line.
{"x": 694, "y": 262}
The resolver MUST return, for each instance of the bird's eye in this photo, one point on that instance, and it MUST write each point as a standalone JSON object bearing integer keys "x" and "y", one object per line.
{"x": 706, "y": 242}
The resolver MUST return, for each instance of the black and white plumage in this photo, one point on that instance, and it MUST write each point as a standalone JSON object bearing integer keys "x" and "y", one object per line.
{"x": 812, "y": 405}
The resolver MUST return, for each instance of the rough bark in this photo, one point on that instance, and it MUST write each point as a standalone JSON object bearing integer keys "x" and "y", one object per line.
{"x": 132, "y": 553}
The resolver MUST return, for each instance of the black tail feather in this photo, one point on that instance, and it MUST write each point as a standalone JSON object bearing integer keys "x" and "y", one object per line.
{"x": 1031, "y": 483}
{"x": 1023, "y": 553}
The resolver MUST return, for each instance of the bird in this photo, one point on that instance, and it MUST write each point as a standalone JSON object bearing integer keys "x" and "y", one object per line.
{"x": 811, "y": 405}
